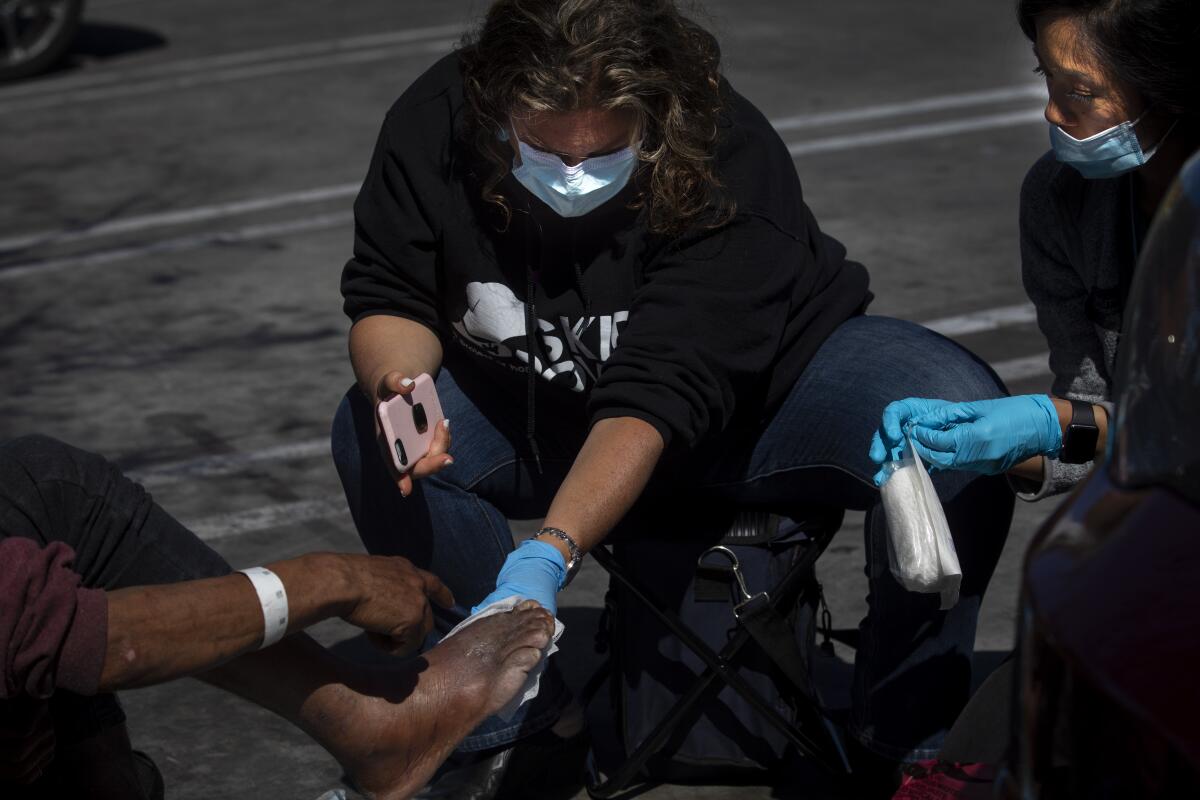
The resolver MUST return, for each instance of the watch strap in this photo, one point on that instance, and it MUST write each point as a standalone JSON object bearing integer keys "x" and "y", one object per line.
{"x": 573, "y": 548}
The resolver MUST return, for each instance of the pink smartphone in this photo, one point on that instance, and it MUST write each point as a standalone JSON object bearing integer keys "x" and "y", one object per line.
{"x": 408, "y": 422}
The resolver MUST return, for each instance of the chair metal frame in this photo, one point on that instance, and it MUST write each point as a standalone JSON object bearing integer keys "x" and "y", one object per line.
{"x": 813, "y": 735}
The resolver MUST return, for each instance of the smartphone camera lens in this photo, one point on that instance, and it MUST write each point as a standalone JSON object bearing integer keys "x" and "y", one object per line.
{"x": 420, "y": 420}
{"x": 401, "y": 456}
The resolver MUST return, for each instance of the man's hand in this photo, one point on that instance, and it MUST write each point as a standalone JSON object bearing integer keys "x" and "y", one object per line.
{"x": 394, "y": 600}
{"x": 161, "y": 632}
{"x": 26, "y": 740}
{"x": 436, "y": 459}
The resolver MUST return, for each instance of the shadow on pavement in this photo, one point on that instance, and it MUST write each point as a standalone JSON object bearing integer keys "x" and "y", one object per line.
{"x": 104, "y": 41}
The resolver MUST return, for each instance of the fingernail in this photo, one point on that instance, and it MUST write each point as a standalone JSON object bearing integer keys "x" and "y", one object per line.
{"x": 446, "y": 423}
{"x": 406, "y": 382}
{"x": 448, "y": 461}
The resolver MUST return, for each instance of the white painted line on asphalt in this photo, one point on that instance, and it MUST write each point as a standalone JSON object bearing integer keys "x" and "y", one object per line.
{"x": 984, "y": 320}
{"x": 71, "y": 82}
{"x": 1019, "y": 369}
{"x": 278, "y": 515}
{"x": 910, "y": 133}
{"x": 922, "y": 105}
{"x": 204, "y": 213}
{"x": 247, "y": 234}
{"x": 165, "y": 474}
{"x": 219, "y": 76}
{"x": 158, "y": 475}
{"x": 835, "y": 143}
{"x": 323, "y": 193}
{"x": 184, "y": 216}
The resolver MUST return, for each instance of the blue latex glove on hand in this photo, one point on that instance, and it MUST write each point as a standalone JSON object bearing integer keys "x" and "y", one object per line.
{"x": 888, "y": 443}
{"x": 534, "y": 571}
{"x": 987, "y": 436}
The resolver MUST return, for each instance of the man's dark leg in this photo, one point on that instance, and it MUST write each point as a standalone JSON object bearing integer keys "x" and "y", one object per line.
{"x": 50, "y": 491}
{"x": 389, "y": 727}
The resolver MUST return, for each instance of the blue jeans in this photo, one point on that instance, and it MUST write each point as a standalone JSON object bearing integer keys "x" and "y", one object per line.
{"x": 913, "y": 666}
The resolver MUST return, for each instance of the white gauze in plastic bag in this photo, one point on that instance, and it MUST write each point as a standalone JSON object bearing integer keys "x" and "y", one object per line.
{"x": 920, "y": 549}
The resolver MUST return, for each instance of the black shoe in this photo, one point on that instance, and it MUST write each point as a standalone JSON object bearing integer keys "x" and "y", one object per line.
{"x": 468, "y": 776}
{"x": 545, "y": 766}
{"x": 149, "y": 776}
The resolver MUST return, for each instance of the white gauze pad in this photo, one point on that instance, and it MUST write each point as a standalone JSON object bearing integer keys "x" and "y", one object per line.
{"x": 533, "y": 679}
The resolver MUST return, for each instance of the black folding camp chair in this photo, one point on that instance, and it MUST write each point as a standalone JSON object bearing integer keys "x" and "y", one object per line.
{"x": 759, "y": 617}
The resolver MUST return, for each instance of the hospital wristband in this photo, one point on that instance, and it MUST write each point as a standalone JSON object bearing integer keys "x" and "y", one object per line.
{"x": 273, "y": 598}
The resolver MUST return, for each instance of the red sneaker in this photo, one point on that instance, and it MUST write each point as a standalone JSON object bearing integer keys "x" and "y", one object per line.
{"x": 946, "y": 780}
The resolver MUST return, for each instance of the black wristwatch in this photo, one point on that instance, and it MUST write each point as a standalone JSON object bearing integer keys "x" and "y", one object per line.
{"x": 1079, "y": 441}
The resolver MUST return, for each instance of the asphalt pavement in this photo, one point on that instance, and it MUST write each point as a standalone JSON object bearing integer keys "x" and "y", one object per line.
{"x": 175, "y": 209}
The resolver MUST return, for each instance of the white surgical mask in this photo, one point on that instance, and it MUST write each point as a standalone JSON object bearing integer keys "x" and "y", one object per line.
{"x": 1107, "y": 154}
{"x": 574, "y": 191}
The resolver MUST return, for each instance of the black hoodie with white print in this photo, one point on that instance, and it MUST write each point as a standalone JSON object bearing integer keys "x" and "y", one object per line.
{"x": 696, "y": 334}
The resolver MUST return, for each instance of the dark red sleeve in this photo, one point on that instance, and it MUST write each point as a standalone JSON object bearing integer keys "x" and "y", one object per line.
{"x": 53, "y": 631}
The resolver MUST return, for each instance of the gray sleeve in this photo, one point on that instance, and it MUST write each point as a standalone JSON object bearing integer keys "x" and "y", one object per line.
{"x": 1060, "y": 296}
{"x": 1057, "y": 478}
{"x": 1058, "y": 291}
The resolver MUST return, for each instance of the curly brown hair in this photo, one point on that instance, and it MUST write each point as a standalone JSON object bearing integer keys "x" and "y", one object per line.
{"x": 644, "y": 56}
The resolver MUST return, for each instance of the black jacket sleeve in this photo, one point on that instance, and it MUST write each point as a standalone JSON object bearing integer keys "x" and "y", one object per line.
{"x": 394, "y": 268}
{"x": 704, "y": 330}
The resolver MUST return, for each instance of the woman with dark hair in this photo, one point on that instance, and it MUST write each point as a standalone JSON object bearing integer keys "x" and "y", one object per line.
{"x": 1124, "y": 110}
{"x": 602, "y": 252}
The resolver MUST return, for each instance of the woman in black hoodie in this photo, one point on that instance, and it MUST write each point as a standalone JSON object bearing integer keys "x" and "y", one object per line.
{"x": 602, "y": 251}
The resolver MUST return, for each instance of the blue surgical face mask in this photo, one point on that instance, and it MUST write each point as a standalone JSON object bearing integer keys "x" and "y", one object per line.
{"x": 1109, "y": 153}
{"x": 574, "y": 191}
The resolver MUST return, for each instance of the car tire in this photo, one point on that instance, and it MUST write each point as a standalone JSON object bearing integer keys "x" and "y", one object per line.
{"x": 47, "y": 48}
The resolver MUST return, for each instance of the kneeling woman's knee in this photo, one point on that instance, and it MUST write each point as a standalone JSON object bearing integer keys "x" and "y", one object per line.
{"x": 955, "y": 373}
{"x": 974, "y": 379}
{"x": 929, "y": 363}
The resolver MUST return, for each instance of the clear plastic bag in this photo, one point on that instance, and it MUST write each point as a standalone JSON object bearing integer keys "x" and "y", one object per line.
{"x": 920, "y": 549}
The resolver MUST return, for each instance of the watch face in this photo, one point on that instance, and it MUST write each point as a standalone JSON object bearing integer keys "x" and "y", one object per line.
{"x": 572, "y": 567}
{"x": 1079, "y": 445}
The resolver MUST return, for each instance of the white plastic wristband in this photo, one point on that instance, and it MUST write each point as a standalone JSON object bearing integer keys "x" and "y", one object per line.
{"x": 273, "y": 598}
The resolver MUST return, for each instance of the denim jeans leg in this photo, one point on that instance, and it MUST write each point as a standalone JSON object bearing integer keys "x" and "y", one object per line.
{"x": 439, "y": 527}
{"x": 913, "y": 668}
{"x": 913, "y": 674}
{"x": 454, "y": 524}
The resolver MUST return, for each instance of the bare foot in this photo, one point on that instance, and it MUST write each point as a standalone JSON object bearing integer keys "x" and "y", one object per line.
{"x": 397, "y": 736}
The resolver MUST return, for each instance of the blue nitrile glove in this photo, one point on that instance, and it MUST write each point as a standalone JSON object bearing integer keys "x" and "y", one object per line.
{"x": 535, "y": 571}
{"x": 988, "y": 436}
{"x": 888, "y": 443}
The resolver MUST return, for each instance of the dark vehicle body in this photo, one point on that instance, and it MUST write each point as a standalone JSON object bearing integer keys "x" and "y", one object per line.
{"x": 1107, "y": 702}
